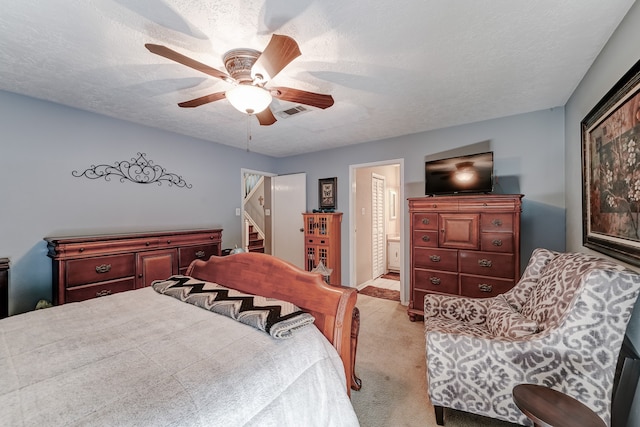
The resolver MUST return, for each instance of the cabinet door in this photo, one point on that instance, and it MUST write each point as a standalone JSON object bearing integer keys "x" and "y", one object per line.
{"x": 309, "y": 225}
{"x": 318, "y": 250}
{"x": 318, "y": 225}
{"x": 459, "y": 231}
{"x": 155, "y": 265}
{"x": 393, "y": 255}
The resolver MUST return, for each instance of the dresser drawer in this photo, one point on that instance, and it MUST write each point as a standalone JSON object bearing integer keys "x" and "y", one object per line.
{"x": 425, "y": 221}
{"x": 437, "y": 281}
{"x": 81, "y": 293}
{"x": 496, "y": 222}
{"x": 483, "y": 287}
{"x": 425, "y": 238}
{"x": 486, "y": 264}
{"x": 439, "y": 205}
{"x": 100, "y": 269}
{"x": 441, "y": 259}
{"x": 187, "y": 254}
{"x": 186, "y": 239}
{"x": 496, "y": 242}
{"x": 317, "y": 240}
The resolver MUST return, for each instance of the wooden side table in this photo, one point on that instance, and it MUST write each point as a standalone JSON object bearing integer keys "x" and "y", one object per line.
{"x": 4, "y": 287}
{"x": 550, "y": 408}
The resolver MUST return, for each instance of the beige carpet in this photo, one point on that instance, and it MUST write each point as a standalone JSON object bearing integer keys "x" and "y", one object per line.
{"x": 391, "y": 363}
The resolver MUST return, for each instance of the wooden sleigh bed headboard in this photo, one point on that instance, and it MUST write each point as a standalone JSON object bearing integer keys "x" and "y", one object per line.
{"x": 268, "y": 276}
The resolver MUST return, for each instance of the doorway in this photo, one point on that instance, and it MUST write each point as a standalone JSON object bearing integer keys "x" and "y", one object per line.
{"x": 255, "y": 216}
{"x": 361, "y": 221}
{"x": 271, "y": 214}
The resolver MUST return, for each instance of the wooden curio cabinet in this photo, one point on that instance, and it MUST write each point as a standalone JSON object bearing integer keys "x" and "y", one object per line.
{"x": 463, "y": 245}
{"x": 322, "y": 243}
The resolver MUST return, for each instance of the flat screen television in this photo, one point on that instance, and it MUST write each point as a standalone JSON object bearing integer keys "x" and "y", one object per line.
{"x": 463, "y": 174}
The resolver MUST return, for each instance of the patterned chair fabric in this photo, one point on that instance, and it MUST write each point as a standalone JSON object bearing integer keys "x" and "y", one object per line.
{"x": 561, "y": 326}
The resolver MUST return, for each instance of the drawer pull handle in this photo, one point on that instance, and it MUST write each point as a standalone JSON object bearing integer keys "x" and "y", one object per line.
{"x": 200, "y": 254}
{"x": 497, "y": 222}
{"x": 435, "y": 258}
{"x": 426, "y": 238}
{"x": 103, "y": 293}
{"x": 484, "y": 287}
{"x": 484, "y": 262}
{"x": 425, "y": 221}
{"x": 168, "y": 242}
{"x": 435, "y": 280}
{"x": 497, "y": 242}
{"x": 147, "y": 244}
{"x": 81, "y": 249}
{"x": 104, "y": 268}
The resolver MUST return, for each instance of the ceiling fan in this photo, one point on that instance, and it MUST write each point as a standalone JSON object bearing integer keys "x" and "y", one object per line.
{"x": 249, "y": 71}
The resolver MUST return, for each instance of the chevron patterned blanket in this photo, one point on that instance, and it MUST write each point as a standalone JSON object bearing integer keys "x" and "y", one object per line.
{"x": 278, "y": 318}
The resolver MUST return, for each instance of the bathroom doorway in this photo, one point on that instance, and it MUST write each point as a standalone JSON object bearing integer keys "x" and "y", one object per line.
{"x": 376, "y": 222}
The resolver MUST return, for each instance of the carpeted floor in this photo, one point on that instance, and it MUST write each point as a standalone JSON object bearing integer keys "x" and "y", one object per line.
{"x": 391, "y": 363}
{"x": 391, "y": 275}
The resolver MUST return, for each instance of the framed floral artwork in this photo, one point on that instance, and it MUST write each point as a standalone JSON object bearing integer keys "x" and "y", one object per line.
{"x": 328, "y": 193}
{"x": 611, "y": 171}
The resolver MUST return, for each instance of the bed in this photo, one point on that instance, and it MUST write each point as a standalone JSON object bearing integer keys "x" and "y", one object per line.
{"x": 142, "y": 357}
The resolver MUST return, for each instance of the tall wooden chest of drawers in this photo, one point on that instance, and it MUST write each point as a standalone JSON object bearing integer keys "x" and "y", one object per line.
{"x": 463, "y": 245}
{"x": 87, "y": 267}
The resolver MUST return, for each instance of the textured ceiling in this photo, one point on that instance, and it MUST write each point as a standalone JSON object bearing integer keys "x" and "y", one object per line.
{"x": 393, "y": 67}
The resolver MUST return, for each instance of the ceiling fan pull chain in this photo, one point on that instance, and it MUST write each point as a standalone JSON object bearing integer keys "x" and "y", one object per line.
{"x": 248, "y": 130}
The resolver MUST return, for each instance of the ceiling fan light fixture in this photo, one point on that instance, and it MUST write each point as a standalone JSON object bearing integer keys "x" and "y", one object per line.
{"x": 249, "y": 99}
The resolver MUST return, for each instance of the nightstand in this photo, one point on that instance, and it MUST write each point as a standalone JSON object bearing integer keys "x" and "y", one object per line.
{"x": 4, "y": 287}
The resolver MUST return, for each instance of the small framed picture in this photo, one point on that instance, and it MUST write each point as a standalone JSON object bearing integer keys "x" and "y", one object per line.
{"x": 328, "y": 193}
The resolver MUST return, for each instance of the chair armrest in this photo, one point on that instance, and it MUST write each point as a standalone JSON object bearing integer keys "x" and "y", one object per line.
{"x": 454, "y": 307}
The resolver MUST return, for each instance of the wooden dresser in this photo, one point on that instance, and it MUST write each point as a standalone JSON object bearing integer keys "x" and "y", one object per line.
{"x": 87, "y": 267}
{"x": 463, "y": 245}
{"x": 4, "y": 287}
{"x": 322, "y": 242}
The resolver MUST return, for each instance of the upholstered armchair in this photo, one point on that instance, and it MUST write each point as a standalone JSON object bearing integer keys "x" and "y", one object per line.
{"x": 561, "y": 326}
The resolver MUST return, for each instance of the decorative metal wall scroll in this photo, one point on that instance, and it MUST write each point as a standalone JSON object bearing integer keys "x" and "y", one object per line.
{"x": 138, "y": 170}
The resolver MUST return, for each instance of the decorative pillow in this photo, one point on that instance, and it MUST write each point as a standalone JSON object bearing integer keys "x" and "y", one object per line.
{"x": 503, "y": 320}
{"x": 278, "y": 318}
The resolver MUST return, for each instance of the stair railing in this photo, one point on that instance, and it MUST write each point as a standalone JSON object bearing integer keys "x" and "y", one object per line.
{"x": 248, "y": 222}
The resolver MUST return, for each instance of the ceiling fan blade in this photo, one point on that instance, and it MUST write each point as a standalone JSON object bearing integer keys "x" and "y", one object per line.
{"x": 280, "y": 51}
{"x": 303, "y": 97}
{"x": 266, "y": 117}
{"x": 184, "y": 60}
{"x": 202, "y": 100}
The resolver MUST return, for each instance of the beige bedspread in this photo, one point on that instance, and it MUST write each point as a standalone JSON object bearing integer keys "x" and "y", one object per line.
{"x": 141, "y": 358}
